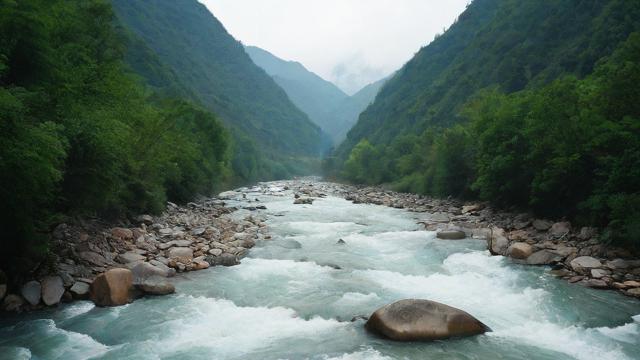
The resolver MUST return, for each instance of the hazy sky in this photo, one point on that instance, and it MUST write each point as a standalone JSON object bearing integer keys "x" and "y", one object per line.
{"x": 349, "y": 42}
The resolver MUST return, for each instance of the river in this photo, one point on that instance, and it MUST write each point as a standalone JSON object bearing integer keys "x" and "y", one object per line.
{"x": 295, "y": 295}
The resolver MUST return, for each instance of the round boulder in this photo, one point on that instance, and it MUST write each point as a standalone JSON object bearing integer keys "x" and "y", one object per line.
{"x": 423, "y": 320}
{"x": 520, "y": 250}
{"x": 52, "y": 290}
{"x": 451, "y": 235}
{"x": 31, "y": 292}
{"x": 157, "y": 285}
{"x": 584, "y": 264}
{"x": 80, "y": 290}
{"x": 112, "y": 288}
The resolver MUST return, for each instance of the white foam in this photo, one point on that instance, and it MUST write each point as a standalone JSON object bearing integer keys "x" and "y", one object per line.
{"x": 354, "y": 298}
{"x": 368, "y": 354}
{"x": 76, "y": 309}
{"x": 226, "y": 329}
{"x": 628, "y": 333}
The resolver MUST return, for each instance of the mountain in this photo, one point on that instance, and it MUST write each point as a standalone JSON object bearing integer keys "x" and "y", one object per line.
{"x": 533, "y": 106}
{"x": 510, "y": 44}
{"x": 327, "y": 106}
{"x": 196, "y": 56}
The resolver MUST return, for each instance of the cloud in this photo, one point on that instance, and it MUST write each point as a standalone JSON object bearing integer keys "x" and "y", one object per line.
{"x": 349, "y": 42}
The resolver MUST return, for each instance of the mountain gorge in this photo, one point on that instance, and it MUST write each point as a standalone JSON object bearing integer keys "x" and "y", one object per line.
{"x": 478, "y": 113}
{"x": 180, "y": 47}
{"x": 327, "y": 106}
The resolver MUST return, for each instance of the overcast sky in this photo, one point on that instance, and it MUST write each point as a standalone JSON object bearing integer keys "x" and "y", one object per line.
{"x": 348, "y": 42}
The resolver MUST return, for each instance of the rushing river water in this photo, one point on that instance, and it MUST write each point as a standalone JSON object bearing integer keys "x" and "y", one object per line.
{"x": 294, "y": 297}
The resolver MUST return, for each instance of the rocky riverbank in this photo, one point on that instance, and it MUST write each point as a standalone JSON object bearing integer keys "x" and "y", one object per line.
{"x": 150, "y": 249}
{"x": 574, "y": 254}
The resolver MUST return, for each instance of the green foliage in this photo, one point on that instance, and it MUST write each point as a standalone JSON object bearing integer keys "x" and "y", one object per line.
{"x": 570, "y": 148}
{"x": 79, "y": 135}
{"x": 179, "y": 48}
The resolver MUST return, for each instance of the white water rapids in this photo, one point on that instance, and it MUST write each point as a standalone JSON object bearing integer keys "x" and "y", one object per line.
{"x": 294, "y": 297}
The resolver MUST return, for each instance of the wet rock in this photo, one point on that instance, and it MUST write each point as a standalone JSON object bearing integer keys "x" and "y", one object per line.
{"x": 32, "y": 291}
{"x": 289, "y": 244}
{"x": 584, "y": 264}
{"x": 112, "y": 288}
{"x": 157, "y": 286}
{"x": 145, "y": 219}
{"x": 544, "y": 257}
{"x": 183, "y": 254}
{"x": 520, "y": 250}
{"x": 634, "y": 292}
{"x": 3, "y": 290}
{"x": 542, "y": 225}
{"x": 303, "y": 200}
{"x": 12, "y": 302}
{"x": 423, "y": 320}
{"x": 146, "y": 270}
{"x": 130, "y": 257}
{"x": 498, "y": 242}
{"x": 80, "y": 290}
{"x": 451, "y": 235}
{"x": 223, "y": 260}
{"x": 341, "y": 242}
{"x": 560, "y": 229}
{"x": 596, "y": 284}
{"x": 122, "y": 233}
{"x": 52, "y": 290}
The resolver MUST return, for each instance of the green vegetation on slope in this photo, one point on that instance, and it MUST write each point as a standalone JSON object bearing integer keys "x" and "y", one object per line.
{"x": 506, "y": 106}
{"x": 327, "y": 106}
{"x": 272, "y": 138}
{"x": 80, "y": 136}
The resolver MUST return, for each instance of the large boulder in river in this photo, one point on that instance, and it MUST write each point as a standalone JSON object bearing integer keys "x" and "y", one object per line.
{"x": 112, "y": 288}
{"x": 423, "y": 320}
{"x": 544, "y": 257}
{"x": 451, "y": 235}
{"x": 145, "y": 270}
{"x": 156, "y": 285}
{"x": 52, "y": 290}
{"x": 498, "y": 242}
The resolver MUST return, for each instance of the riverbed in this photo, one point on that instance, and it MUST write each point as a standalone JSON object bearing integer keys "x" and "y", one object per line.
{"x": 295, "y": 296}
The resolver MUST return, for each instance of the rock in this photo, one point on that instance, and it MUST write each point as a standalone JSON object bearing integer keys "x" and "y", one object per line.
{"x": 157, "y": 286}
{"x": 32, "y": 291}
{"x": 162, "y": 266}
{"x": 112, "y": 288}
{"x": 52, "y": 290}
{"x": 341, "y": 242}
{"x": 289, "y": 244}
{"x": 634, "y": 292}
{"x": 145, "y": 219}
{"x": 80, "y": 290}
{"x": 451, "y": 235}
{"x": 542, "y": 225}
{"x": 587, "y": 233}
{"x": 498, "y": 241}
{"x": 215, "y": 252}
{"x": 224, "y": 260}
{"x": 596, "y": 284}
{"x": 12, "y": 302}
{"x": 184, "y": 254}
{"x": 560, "y": 229}
{"x": 93, "y": 258}
{"x": 146, "y": 270}
{"x": 130, "y": 257}
{"x": 471, "y": 208}
{"x": 544, "y": 257}
{"x": 575, "y": 279}
{"x": 3, "y": 290}
{"x": 303, "y": 200}
{"x": 423, "y": 320}
{"x": 520, "y": 250}
{"x": 122, "y": 233}
{"x": 584, "y": 264}
{"x": 631, "y": 283}
{"x": 599, "y": 273}
{"x": 618, "y": 264}
{"x": 200, "y": 264}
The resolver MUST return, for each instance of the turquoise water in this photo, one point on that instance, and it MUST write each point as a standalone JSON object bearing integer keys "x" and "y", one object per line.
{"x": 293, "y": 298}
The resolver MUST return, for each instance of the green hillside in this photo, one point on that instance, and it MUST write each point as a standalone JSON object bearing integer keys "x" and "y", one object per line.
{"x": 209, "y": 65}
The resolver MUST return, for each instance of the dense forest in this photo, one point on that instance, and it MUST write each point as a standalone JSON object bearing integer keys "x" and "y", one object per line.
{"x": 525, "y": 104}
{"x": 180, "y": 48}
{"x": 94, "y": 123}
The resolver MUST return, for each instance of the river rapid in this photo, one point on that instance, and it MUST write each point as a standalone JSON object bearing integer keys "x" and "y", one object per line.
{"x": 294, "y": 297}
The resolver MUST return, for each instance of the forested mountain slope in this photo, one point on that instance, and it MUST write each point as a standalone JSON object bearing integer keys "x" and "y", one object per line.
{"x": 213, "y": 67}
{"x": 512, "y": 44}
{"x": 526, "y": 104}
{"x": 328, "y": 106}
